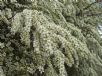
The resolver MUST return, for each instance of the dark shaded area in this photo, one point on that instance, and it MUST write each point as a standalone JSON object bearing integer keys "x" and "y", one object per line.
{"x": 71, "y": 71}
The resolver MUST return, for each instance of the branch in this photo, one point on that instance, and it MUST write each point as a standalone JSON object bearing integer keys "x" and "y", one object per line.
{"x": 81, "y": 11}
{"x": 89, "y": 5}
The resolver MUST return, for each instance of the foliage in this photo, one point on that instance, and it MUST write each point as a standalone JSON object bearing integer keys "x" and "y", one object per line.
{"x": 50, "y": 38}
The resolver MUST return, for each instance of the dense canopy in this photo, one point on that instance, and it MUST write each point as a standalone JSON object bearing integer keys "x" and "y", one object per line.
{"x": 50, "y": 38}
